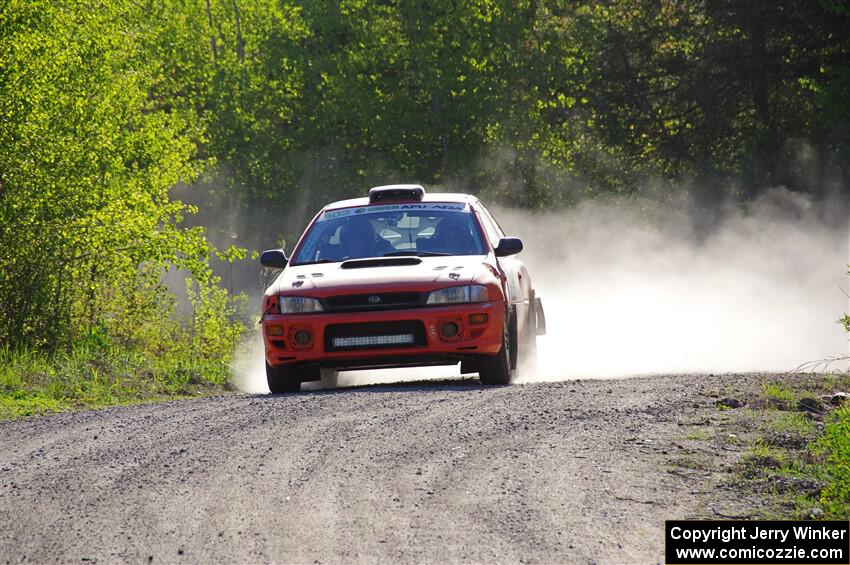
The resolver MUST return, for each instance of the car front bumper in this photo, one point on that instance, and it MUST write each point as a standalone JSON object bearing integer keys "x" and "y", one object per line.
{"x": 341, "y": 339}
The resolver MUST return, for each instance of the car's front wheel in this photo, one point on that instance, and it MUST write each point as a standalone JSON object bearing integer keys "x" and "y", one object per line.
{"x": 282, "y": 379}
{"x": 496, "y": 370}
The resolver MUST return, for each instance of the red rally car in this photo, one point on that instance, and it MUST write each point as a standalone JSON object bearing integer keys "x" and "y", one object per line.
{"x": 401, "y": 278}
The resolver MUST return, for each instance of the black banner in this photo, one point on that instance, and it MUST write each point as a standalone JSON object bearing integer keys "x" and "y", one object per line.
{"x": 743, "y": 542}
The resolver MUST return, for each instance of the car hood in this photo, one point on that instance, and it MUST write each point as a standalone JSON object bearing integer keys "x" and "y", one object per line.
{"x": 351, "y": 277}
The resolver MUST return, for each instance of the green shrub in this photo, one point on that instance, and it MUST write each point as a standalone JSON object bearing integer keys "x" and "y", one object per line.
{"x": 94, "y": 374}
{"x": 835, "y": 447}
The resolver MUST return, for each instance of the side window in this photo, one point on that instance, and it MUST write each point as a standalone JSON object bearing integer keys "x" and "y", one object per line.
{"x": 490, "y": 225}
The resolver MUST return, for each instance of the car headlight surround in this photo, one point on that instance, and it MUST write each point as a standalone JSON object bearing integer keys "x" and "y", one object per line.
{"x": 459, "y": 295}
{"x": 299, "y": 305}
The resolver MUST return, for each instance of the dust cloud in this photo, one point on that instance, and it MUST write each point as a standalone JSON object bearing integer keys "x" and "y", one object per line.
{"x": 646, "y": 288}
{"x": 640, "y": 287}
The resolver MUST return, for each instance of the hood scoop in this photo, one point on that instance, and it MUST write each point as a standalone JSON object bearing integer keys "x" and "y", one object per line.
{"x": 380, "y": 262}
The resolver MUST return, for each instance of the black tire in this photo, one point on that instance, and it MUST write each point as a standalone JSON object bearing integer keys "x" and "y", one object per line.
{"x": 282, "y": 379}
{"x": 513, "y": 340}
{"x": 496, "y": 370}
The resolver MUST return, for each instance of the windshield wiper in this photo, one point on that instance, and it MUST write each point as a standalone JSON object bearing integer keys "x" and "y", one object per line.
{"x": 316, "y": 262}
{"x": 416, "y": 254}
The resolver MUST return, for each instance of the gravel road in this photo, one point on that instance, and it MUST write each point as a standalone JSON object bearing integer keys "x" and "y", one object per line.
{"x": 574, "y": 472}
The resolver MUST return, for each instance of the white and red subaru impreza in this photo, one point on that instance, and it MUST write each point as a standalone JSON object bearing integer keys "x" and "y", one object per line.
{"x": 401, "y": 278}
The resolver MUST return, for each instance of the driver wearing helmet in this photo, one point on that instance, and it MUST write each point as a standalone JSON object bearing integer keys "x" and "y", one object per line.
{"x": 358, "y": 239}
{"x": 453, "y": 236}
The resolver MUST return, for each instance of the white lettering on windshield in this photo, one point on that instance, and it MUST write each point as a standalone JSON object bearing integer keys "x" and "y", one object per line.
{"x": 333, "y": 214}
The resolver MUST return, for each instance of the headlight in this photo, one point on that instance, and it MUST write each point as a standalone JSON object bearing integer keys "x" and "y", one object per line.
{"x": 299, "y": 305}
{"x": 459, "y": 294}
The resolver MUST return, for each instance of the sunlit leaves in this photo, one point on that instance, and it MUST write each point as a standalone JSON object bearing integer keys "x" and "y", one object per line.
{"x": 88, "y": 158}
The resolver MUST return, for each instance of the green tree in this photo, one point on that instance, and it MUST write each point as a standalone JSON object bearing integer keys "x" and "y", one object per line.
{"x": 86, "y": 224}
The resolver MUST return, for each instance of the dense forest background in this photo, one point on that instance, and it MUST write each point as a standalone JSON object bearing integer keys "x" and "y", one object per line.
{"x": 119, "y": 119}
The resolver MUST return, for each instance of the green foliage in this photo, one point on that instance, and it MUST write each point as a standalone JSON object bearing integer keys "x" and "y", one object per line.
{"x": 98, "y": 373}
{"x": 216, "y": 327}
{"x": 807, "y": 461}
{"x": 835, "y": 447}
{"x": 90, "y": 151}
{"x": 537, "y": 103}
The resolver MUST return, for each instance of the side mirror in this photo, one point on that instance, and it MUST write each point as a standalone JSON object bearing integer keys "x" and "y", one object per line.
{"x": 508, "y": 246}
{"x": 274, "y": 258}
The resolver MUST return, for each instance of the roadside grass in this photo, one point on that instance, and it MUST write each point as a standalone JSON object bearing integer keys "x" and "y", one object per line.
{"x": 777, "y": 391}
{"x": 799, "y": 456}
{"x": 762, "y": 455}
{"x": 695, "y": 433}
{"x": 93, "y": 375}
{"x": 834, "y": 448}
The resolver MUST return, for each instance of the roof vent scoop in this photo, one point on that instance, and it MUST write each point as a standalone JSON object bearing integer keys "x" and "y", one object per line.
{"x": 393, "y": 192}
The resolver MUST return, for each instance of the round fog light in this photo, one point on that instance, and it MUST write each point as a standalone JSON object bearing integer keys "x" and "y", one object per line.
{"x": 302, "y": 337}
{"x": 449, "y": 329}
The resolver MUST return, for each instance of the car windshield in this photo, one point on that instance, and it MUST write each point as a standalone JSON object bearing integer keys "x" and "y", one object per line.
{"x": 391, "y": 230}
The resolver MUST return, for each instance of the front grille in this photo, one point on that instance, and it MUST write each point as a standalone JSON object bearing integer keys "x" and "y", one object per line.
{"x": 374, "y": 335}
{"x": 375, "y": 301}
